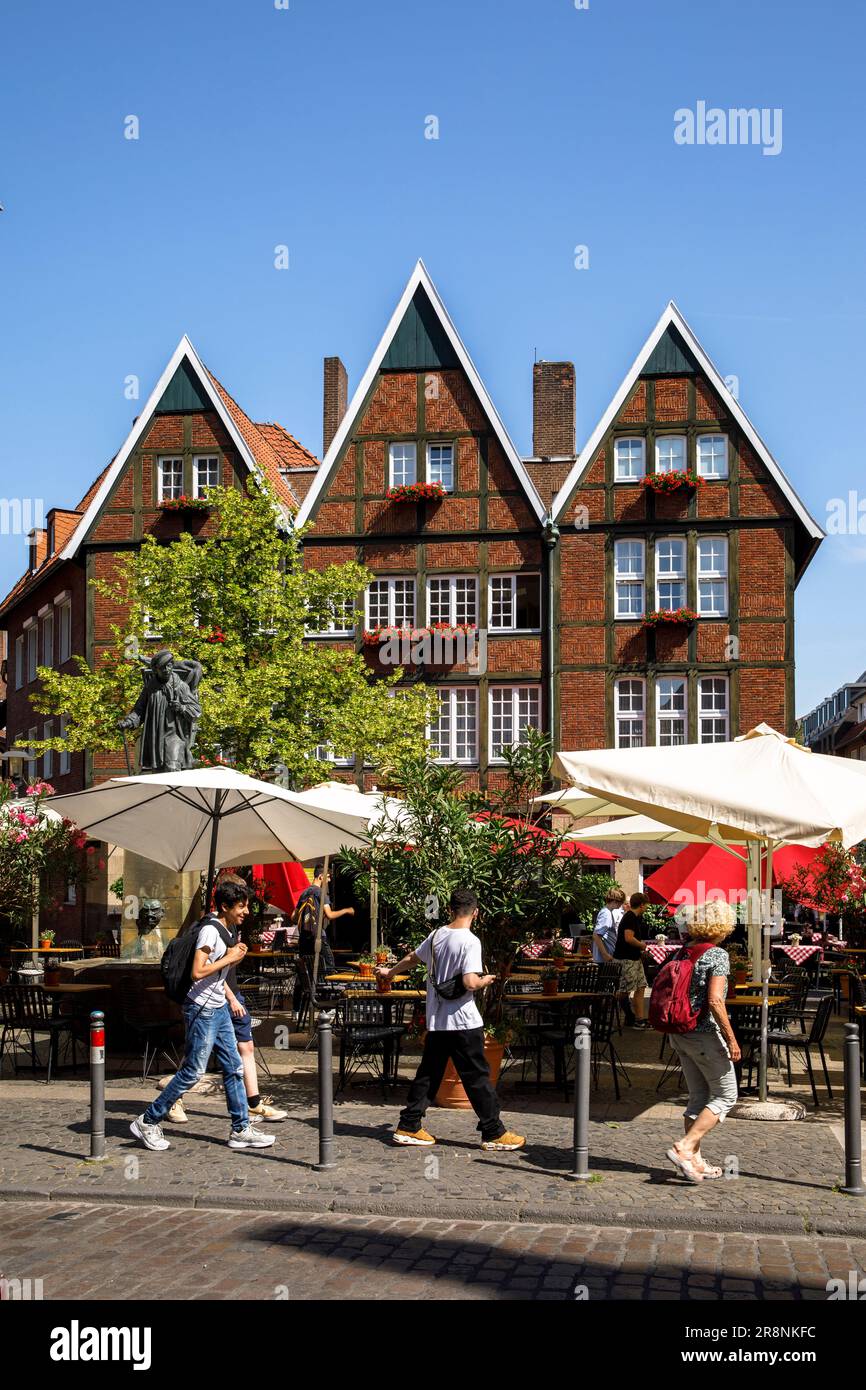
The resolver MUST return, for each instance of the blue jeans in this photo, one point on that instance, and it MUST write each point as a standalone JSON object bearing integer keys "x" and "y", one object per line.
{"x": 207, "y": 1031}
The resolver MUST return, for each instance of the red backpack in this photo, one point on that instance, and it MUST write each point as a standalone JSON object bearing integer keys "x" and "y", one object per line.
{"x": 670, "y": 1010}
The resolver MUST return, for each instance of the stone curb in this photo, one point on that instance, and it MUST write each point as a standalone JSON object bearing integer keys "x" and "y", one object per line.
{"x": 551, "y": 1214}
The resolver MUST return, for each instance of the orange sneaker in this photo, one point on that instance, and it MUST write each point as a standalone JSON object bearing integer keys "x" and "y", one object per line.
{"x": 507, "y": 1141}
{"x": 405, "y": 1136}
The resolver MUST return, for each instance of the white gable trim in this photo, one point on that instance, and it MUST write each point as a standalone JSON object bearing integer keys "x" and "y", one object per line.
{"x": 418, "y": 277}
{"x": 671, "y": 317}
{"x": 183, "y": 351}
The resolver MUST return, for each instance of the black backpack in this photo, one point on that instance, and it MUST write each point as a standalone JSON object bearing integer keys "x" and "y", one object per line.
{"x": 178, "y": 956}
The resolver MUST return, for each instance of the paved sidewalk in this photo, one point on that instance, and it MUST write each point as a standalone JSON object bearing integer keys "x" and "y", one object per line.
{"x": 783, "y": 1174}
{"x": 82, "y": 1251}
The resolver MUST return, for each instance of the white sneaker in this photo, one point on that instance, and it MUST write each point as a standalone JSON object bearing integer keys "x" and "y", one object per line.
{"x": 265, "y": 1111}
{"x": 250, "y": 1138}
{"x": 151, "y": 1136}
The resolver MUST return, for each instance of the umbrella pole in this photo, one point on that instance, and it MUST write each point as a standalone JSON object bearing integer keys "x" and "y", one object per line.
{"x": 211, "y": 863}
{"x": 318, "y": 951}
{"x": 374, "y": 910}
{"x": 765, "y": 974}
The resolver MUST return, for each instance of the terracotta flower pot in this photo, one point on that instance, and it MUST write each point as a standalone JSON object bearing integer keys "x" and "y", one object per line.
{"x": 52, "y": 976}
{"x": 45, "y": 943}
{"x": 383, "y": 986}
{"x": 365, "y": 970}
{"x": 256, "y": 948}
{"x": 549, "y": 986}
{"x": 451, "y": 1095}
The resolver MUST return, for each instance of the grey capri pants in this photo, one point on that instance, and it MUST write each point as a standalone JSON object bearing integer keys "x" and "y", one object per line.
{"x": 709, "y": 1072}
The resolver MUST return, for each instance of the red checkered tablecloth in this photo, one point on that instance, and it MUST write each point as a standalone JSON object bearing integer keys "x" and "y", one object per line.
{"x": 269, "y": 933}
{"x": 659, "y": 951}
{"x": 799, "y": 953}
{"x": 542, "y": 948}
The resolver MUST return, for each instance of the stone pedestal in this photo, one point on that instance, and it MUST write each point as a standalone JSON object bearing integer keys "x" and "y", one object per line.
{"x": 178, "y": 893}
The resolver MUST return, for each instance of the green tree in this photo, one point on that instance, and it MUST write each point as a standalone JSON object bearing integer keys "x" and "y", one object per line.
{"x": 238, "y": 602}
{"x": 442, "y": 837}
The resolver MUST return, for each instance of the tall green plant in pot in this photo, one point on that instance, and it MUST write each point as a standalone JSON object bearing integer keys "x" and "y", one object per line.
{"x": 446, "y": 837}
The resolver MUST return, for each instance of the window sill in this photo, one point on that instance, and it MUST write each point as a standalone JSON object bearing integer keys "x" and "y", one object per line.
{"x": 514, "y": 632}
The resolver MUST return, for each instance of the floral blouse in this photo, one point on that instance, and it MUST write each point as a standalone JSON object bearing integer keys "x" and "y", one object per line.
{"x": 715, "y": 961}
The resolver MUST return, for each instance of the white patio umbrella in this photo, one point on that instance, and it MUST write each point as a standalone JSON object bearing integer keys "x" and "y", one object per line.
{"x": 762, "y": 788}
{"x": 634, "y": 828}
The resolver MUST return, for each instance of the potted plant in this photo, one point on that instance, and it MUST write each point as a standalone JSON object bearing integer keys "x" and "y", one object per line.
{"x": 366, "y": 966}
{"x": 550, "y": 980}
{"x": 383, "y": 984}
{"x": 383, "y": 955}
{"x": 46, "y": 938}
{"x": 255, "y": 941}
{"x": 451, "y": 1094}
{"x": 675, "y": 480}
{"x": 52, "y": 974}
{"x": 559, "y": 955}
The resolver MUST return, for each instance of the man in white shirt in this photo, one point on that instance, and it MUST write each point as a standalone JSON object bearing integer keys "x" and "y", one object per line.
{"x": 455, "y": 1029}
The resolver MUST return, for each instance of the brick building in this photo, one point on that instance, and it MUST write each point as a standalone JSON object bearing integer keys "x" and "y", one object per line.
{"x": 556, "y": 559}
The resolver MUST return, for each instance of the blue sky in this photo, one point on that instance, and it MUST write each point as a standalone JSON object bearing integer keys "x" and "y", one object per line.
{"x": 305, "y": 127}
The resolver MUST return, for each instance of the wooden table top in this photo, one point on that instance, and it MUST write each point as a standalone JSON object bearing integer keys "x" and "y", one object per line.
{"x": 46, "y": 950}
{"x": 75, "y": 989}
{"x": 756, "y": 999}
{"x": 354, "y": 979}
{"x": 555, "y": 998}
{"x": 774, "y": 985}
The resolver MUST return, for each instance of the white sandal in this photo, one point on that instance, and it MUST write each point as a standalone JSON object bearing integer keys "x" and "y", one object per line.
{"x": 684, "y": 1166}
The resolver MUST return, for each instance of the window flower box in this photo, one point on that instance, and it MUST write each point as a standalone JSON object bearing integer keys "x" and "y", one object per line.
{"x": 674, "y": 617}
{"x": 184, "y": 504}
{"x": 373, "y": 636}
{"x": 416, "y": 492}
{"x": 674, "y": 481}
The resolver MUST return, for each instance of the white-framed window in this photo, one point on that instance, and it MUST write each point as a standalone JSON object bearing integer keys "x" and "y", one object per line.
{"x": 671, "y": 711}
{"x": 629, "y": 460}
{"x": 671, "y": 573}
{"x": 513, "y": 710}
{"x": 48, "y": 756}
{"x": 712, "y": 564}
{"x": 338, "y": 622}
{"x": 402, "y": 464}
{"x": 671, "y": 453}
{"x": 440, "y": 465}
{"x": 454, "y": 733}
{"x": 32, "y": 736}
{"x": 169, "y": 479}
{"x": 713, "y": 455}
{"x": 324, "y": 753}
{"x": 629, "y": 708}
{"x": 19, "y": 662}
{"x": 629, "y": 569}
{"x": 713, "y": 709}
{"x": 514, "y": 603}
{"x": 391, "y": 603}
{"x": 65, "y": 759}
{"x": 64, "y": 619}
{"x": 48, "y": 640}
{"x": 32, "y": 651}
{"x": 205, "y": 474}
{"x": 452, "y": 599}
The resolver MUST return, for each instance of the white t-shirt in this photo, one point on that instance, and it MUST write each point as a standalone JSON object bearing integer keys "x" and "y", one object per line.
{"x": 210, "y": 993}
{"x": 606, "y": 926}
{"x": 458, "y": 952}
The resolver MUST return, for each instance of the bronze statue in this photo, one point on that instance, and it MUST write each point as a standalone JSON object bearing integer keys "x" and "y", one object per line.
{"x": 168, "y": 712}
{"x": 148, "y": 945}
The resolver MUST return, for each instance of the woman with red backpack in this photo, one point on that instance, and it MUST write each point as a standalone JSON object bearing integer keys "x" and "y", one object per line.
{"x": 688, "y": 1003}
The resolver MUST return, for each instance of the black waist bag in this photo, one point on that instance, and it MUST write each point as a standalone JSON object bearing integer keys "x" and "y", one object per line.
{"x": 453, "y": 988}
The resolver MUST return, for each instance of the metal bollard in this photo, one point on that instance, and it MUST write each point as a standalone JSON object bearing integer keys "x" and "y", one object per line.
{"x": 583, "y": 1050}
{"x": 97, "y": 1087}
{"x": 853, "y": 1162}
{"x": 326, "y": 1091}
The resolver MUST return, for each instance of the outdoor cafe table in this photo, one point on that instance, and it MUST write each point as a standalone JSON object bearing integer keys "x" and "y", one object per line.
{"x": 746, "y": 1000}
{"x": 343, "y": 978}
{"x": 659, "y": 951}
{"x": 798, "y": 954}
{"x": 46, "y": 950}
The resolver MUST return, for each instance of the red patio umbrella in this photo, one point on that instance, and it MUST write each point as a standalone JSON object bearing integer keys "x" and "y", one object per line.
{"x": 701, "y": 868}
{"x": 566, "y": 850}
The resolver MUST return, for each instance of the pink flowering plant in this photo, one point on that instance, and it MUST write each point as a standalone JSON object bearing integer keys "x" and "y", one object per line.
{"x": 39, "y": 854}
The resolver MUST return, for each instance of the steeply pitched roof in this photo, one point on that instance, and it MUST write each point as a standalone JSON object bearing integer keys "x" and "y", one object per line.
{"x": 648, "y": 360}
{"x": 255, "y": 444}
{"x": 428, "y": 329}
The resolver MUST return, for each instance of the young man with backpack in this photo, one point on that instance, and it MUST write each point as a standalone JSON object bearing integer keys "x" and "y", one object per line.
{"x": 455, "y": 1029}
{"x": 203, "y": 958}
{"x": 688, "y": 1003}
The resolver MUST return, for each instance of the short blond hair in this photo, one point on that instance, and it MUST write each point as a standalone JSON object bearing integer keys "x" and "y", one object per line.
{"x": 713, "y": 921}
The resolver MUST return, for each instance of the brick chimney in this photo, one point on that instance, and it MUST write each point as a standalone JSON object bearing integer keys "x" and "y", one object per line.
{"x": 37, "y": 548}
{"x": 335, "y": 400}
{"x": 552, "y": 409}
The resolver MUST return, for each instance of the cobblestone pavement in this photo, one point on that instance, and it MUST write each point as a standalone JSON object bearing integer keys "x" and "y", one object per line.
{"x": 83, "y": 1251}
{"x": 786, "y": 1173}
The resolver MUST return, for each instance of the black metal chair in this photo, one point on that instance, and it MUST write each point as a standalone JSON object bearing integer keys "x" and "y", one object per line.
{"x": 154, "y": 1034}
{"x": 559, "y": 1039}
{"x": 371, "y": 1031}
{"x": 328, "y": 993}
{"x": 28, "y": 1009}
{"x": 68, "y": 949}
{"x": 791, "y": 1041}
{"x": 581, "y": 978}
